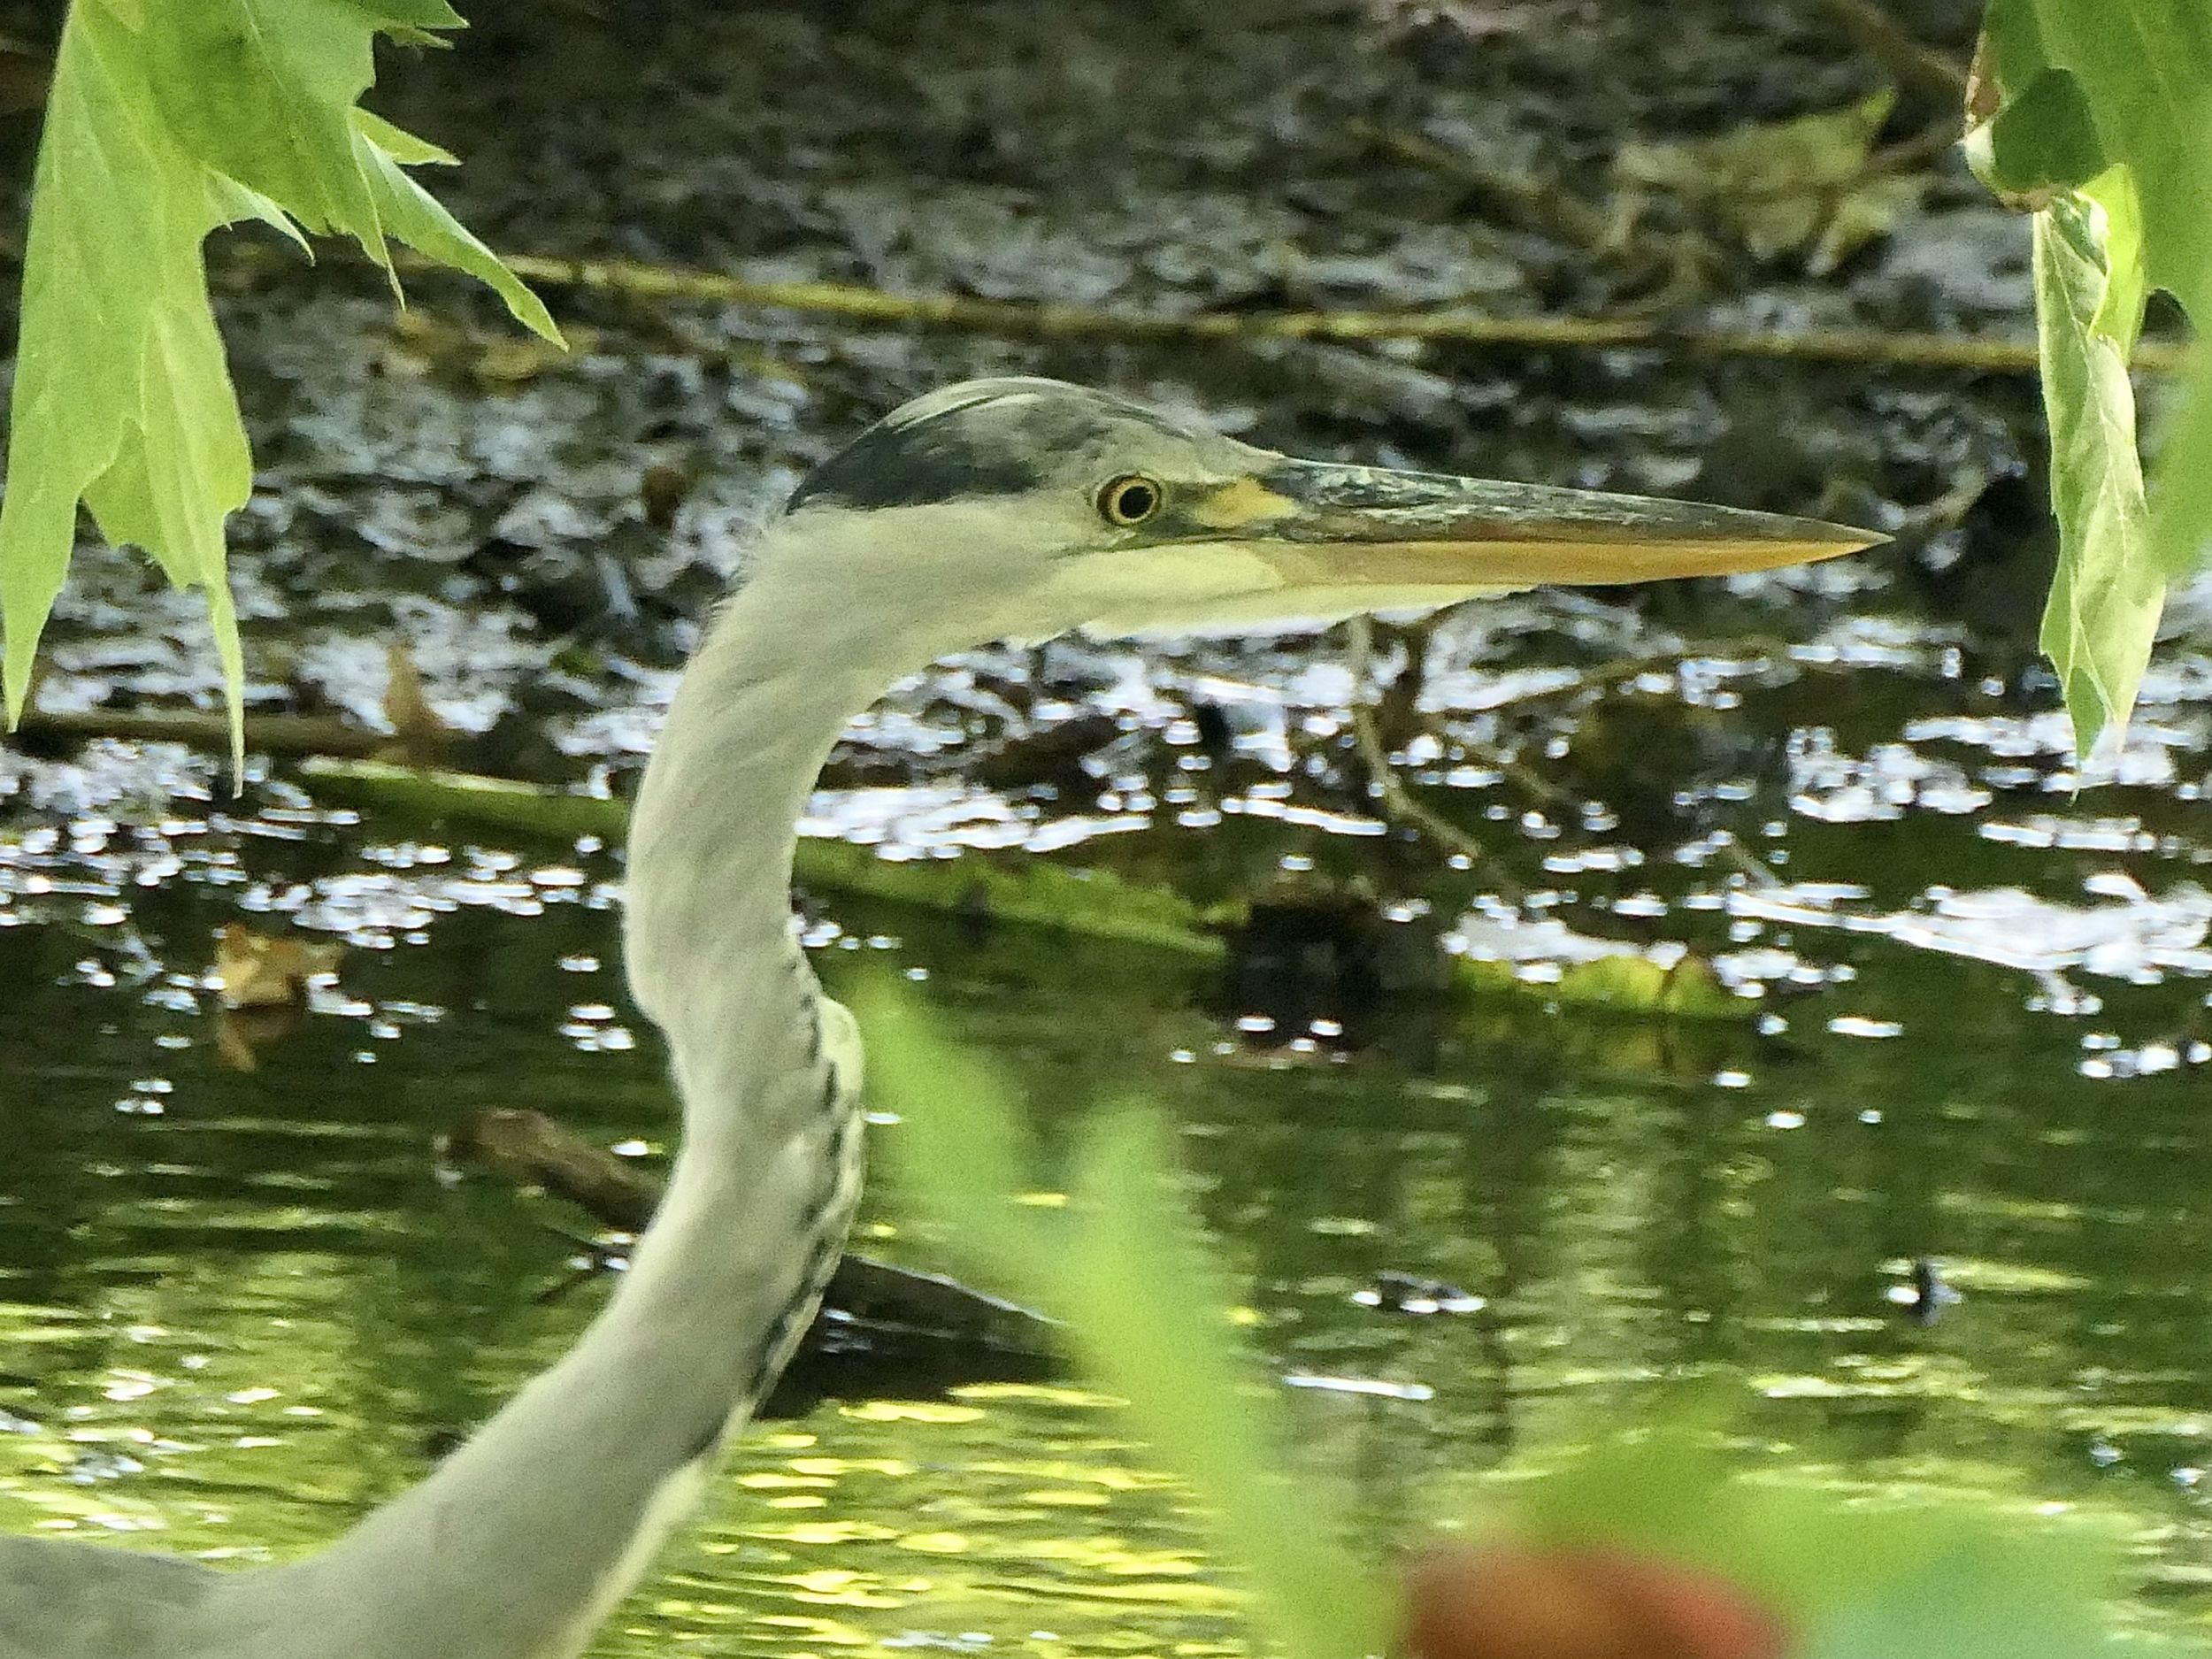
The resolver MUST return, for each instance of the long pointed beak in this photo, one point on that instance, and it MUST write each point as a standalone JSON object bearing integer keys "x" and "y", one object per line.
{"x": 1322, "y": 526}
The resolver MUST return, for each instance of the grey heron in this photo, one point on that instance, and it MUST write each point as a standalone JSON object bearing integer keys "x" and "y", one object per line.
{"x": 997, "y": 508}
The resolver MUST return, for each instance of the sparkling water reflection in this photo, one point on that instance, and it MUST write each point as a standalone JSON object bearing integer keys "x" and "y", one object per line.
{"x": 238, "y": 1306}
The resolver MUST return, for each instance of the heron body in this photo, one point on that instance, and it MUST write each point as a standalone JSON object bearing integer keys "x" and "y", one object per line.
{"x": 1017, "y": 508}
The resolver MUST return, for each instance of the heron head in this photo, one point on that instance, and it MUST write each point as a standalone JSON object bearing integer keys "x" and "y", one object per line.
{"x": 1026, "y": 507}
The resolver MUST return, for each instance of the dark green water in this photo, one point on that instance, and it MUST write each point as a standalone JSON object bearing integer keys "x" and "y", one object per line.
{"x": 237, "y": 1308}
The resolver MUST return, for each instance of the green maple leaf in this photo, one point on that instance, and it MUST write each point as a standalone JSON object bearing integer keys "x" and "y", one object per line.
{"x": 2098, "y": 113}
{"x": 163, "y": 123}
{"x": 301, "y": 66}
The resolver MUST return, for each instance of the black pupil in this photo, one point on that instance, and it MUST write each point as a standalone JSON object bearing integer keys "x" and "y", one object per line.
{"x": 1134, "y": 500}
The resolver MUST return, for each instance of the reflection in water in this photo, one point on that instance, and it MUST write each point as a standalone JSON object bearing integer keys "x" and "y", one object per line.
{"x": 2132, "y": 936}
{"x": 237, "y": 1308}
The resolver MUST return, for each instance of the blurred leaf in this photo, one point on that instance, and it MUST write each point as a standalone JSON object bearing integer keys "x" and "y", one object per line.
{"x": 1785, "y": 187}
{"x": 163, "y": 123}
{"x": 1151, "y": 1320}
{"x": 1861, "y": 215}
{"x": 2107, "y": 591}
{"x": 1953, "y": 1577}
{"x": 2181, "y": 511}
{"x": 961, "y": 1150}
{"x": 1145, "y": 1313}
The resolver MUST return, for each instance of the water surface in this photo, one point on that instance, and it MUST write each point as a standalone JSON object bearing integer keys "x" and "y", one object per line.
{"x": 239, "y": 1307}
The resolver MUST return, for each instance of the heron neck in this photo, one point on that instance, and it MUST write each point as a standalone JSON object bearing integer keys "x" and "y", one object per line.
{"x": 707, "y": 926}
{"x": 521, "y": 1540}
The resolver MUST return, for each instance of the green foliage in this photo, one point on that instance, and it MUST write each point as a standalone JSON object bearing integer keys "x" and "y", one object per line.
{"x": 2107, "y": 591}
{"x": 2040, "y": 144}
{"x": 2097, "y": 114}
{"x": 164, "y": 122}
{"x": 2144, "y": 67}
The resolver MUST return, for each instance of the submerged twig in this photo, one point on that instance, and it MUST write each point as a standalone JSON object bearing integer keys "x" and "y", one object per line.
{"x": 528, "y": 1148}
{"x": 1400, "y": 803}
{"x": 266, "y": 734}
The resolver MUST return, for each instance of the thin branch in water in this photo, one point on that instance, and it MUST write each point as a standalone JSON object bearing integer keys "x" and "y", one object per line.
{"x": 266, "y": 734}
{"x": 1398, "y": 803}
{"x": 1023, "y": 319}
{"x": 1401, "y": 805}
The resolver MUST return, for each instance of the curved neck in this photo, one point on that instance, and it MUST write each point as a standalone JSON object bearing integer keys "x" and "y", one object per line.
{"x": 707, "y": 906}
{"x": 522, "y": 1540}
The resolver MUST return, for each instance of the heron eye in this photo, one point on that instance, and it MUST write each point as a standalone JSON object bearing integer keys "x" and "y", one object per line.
{"x": 1130, "y": 499}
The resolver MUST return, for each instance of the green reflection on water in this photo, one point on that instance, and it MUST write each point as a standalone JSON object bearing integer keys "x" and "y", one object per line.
{"x": 232, "y": 1326}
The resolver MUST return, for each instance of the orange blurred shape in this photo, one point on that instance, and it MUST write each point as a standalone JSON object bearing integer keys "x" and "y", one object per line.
{"x": 1520, "y": 1602}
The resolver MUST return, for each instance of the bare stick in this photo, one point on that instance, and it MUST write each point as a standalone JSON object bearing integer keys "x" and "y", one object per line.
{"x": 1036, "y": 320}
